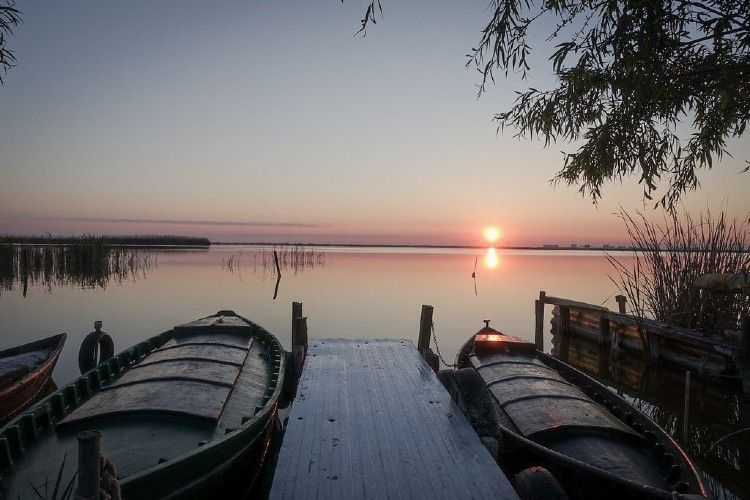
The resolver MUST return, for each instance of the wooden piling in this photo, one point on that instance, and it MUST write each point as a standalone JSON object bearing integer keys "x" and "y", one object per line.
{"x": 89, "y": 451}
{"x": 745, "y": 342}
{"x": 563, "y": 331}
{"x": 621, "y": 300}
{"x": 686, "y": 411}
{"x": 425, "y": 329}
{"x": 539, "y": 321}
{"x": 299, "y": 344}
{"x": 605, "y": 335}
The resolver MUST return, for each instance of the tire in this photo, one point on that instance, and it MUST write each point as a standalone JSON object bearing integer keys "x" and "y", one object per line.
{"x": 468, "y": 390}
{"x": 96, "y": 348}
{"x": 537, "y": 483}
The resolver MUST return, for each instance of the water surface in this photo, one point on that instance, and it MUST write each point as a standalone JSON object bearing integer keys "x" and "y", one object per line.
{"x": 366, "y": 293}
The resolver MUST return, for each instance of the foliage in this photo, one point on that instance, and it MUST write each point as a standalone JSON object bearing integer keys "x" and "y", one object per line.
{"x": 652, "y": 88}
{"x": 10, "y": 17}
{"x": 65, "y": 494}
{"x": 667, "y": 260}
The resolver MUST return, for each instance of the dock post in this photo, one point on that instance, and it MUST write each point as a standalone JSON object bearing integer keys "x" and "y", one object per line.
{"x": 745, "y": 343}
{"x": 299, "y": 344}
{"x": 423, "y": 343}
{"x": 605, "y": 334}
{"x": 621, "y": 300}
{"x": 539, "y": 321}
{"x": 425, "y": 329}
{"x": 89, "y": 452}
{"x": 296, "y": 313}
{"x": 563, "y": 332}
{"x": 686, "y": 411}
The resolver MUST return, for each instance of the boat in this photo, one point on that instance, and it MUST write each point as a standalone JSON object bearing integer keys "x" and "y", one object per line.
{"x": 557, "y": 429}
{"x": 180, "y": 414}
{"x": 25, "y": 371}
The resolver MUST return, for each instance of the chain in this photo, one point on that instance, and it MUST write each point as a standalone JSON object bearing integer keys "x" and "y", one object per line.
{"x": 437, "y": 349}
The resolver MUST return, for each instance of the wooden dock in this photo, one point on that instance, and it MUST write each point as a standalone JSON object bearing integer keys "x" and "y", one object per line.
{"x": 371, "y": 420}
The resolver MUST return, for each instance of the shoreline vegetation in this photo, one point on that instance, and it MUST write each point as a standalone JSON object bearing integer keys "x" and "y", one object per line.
{"x": 82, "y": 262}
{"x": 109, "y": 240}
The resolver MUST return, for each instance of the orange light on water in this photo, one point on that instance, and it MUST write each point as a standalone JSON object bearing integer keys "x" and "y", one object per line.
{"x": 491, "y": 259}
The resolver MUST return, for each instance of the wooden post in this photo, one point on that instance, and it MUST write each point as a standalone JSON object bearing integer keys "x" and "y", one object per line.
{"x": 653, "y": 348}
{"x": 296, "y": 313}
{"x": 686, "y": 412}
{"x": 89, "y": 451}
{"x": 425, "y": 329}
{"x": 539, "y": 321}
{"x": 563, "y": 332}
{"x": 621, "y": 300}
{"x": 299, "y": 344}
{"x": 745, "y": 342}
{"x": 605, "y": 335}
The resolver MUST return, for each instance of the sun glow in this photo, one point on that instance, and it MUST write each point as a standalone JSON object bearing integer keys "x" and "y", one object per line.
{"x": 492, "y": 234}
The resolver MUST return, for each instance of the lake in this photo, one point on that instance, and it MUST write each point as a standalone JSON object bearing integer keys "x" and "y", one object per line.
{"x": 365, "y": 293}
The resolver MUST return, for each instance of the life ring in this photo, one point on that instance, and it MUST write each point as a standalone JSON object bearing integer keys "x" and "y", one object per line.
{"x": 96, "y": 348}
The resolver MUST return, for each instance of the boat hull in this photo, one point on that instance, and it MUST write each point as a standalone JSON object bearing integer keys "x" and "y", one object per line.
{"x": 19, "y": 395}
{"x": 147, "y": 403}
{"x": 578, "y": 452}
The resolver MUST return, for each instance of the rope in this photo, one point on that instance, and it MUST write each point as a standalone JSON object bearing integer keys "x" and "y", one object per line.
{"x": 437, "y": 349}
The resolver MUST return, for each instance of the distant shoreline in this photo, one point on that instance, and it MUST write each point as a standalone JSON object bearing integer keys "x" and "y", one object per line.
{"x": 458, "y": 247}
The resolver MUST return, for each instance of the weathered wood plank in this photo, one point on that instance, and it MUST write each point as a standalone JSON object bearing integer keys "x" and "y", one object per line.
{"x": 189, "y": 398}
{"x": 207, "y": 352}
{"x": 371, "y": 420}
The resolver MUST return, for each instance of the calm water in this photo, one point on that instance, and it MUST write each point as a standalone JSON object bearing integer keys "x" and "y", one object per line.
{"x": 369, "y": 293}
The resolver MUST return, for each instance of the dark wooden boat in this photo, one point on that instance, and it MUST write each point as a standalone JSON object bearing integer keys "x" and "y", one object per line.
{"x": 24, "y": 372}
{"x": 546, "y": 414}
{"x": 180, "y": 413}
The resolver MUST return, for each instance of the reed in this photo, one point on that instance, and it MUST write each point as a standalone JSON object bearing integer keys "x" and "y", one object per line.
{"x": 296, "y": 258}
{"x": 670, "y": 256}
{"x": 127, "y": 240}
{"x": 83, "y": 262}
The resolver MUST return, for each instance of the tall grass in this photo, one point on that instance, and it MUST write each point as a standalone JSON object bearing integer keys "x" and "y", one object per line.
{"x": 296, "y": 258}
{"x": 84, "y": 262}
{"x": 668, "y": 258}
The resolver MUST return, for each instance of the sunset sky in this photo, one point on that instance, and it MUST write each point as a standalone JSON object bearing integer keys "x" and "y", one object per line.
{"x": 272, "y": 121}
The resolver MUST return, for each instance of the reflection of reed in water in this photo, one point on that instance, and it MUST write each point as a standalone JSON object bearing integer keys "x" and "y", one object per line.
{"x": 715, "y": 410}
{"x": 296, "y": 258}
{"x": 81, "y": 262}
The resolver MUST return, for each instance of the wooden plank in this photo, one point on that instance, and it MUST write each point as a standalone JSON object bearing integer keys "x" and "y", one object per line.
{"x": 572, "y": 304}
{"x": 207, "y": 370}
{"x": 188, "y": 398}
{"x": 672, "y": 332}
{"x": 538, "y": 399}
{"x": 207, "y": 352}
{"x": 371, "y": 420}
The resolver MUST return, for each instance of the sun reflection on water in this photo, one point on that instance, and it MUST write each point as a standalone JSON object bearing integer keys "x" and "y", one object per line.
{"x": 491, "y": 259}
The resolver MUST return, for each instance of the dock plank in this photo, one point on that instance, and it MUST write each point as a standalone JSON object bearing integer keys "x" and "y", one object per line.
{"x": 371, "y": 420}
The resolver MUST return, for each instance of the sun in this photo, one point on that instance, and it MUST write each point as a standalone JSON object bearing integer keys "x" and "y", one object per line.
{"x": 492, "y": 234}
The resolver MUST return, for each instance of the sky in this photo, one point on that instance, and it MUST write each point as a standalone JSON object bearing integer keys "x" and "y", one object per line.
{"x": 272, "y": 121}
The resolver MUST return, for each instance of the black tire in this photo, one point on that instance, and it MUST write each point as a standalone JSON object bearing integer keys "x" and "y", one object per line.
{"x": 445, "y": 377}
{"x": 537, "y": 483}
{"x": 96, "y": 348}
{"x": 468, "y": 390}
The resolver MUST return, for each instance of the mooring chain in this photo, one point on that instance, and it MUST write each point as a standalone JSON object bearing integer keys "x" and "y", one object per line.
{"x": 437, "y": 349}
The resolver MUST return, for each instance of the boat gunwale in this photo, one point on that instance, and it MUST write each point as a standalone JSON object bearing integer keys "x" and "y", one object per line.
{"x": 51, "y": 410}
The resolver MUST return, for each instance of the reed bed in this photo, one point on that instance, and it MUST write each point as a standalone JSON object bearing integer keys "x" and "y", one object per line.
{"x": 669, "y": 257}
{"x": 296, "y": 258}
{"x": 127, "y": 240}
{"x": 83, "y": 262}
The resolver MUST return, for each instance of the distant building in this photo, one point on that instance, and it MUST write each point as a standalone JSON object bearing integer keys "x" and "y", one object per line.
{"x": 586, "y": 246}
{"x": 606, "y": 246}
{"x": 573, "y": 245}
{"x": 550, "y": 247}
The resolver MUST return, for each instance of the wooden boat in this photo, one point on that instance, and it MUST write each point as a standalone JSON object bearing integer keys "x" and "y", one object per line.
{"x": 24, "y": 372}
{"x": 546, "y": 414}
{"x": 180, "y": 413}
